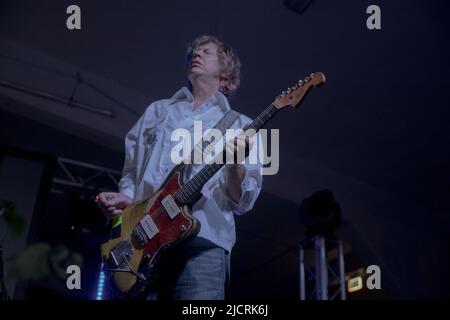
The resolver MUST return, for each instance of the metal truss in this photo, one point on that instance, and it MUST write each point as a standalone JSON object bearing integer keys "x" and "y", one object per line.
{"x": 314, "y": 278}
{"x": 86, "y": 176}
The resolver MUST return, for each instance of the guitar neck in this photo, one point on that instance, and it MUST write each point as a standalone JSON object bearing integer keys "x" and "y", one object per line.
{"x": 190, "y": 192}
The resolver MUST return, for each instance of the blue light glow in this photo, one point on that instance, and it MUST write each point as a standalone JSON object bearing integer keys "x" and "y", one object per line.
{"x": 101, "y": 283}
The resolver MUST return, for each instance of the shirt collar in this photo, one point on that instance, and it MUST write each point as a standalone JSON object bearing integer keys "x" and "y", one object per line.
{"x": 184, "y": 94}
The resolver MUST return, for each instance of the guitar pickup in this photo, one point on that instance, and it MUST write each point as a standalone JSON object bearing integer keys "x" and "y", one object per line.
{"x": 171, "y": 206}
{"x": 149, "y": 226}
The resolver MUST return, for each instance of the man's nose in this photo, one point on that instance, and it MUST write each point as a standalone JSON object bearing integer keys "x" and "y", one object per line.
{"x": 196, "y": 54}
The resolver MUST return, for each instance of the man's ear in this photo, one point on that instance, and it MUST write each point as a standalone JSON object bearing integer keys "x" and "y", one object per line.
{"x": 226, "y": 86}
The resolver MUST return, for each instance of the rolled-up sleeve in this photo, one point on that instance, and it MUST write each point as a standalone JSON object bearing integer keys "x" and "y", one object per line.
{"x": 250, "y": 187}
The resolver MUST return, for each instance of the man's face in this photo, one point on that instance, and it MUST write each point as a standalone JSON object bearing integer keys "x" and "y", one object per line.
{"x": 205, "y": 62}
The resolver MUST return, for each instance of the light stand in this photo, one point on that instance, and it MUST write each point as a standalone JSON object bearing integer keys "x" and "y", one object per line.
{"x": 321, "y": 216}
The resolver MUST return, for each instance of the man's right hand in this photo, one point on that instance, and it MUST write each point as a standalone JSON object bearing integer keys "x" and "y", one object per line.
{"x": 113, "y": 203}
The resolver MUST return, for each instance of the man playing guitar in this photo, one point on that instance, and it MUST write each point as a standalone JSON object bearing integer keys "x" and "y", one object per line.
{"x": 198, "y": 268}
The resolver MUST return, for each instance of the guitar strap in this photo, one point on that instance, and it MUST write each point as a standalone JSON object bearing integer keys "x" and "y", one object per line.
{"x": 227, "y": 121}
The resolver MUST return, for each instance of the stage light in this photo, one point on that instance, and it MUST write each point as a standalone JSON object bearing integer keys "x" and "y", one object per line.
{"x": 320, "y": 213}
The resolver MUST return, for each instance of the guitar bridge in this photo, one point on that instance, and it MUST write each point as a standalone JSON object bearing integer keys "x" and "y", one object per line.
{"x": 118, "y": 260}
{"x": 119, "y": 255}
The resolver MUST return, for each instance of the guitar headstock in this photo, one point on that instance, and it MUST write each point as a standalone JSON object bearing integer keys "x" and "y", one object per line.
{"x": 294, "y": 95}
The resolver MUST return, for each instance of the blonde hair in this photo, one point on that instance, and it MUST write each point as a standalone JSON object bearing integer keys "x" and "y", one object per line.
{"x": 231, "y": 64}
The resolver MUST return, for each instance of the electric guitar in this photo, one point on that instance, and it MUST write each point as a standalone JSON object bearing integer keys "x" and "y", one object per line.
{"x": 149, "y": 227}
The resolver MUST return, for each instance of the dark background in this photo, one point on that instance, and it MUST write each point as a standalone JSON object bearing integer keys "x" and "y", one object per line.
{"x": 377, "y": 133}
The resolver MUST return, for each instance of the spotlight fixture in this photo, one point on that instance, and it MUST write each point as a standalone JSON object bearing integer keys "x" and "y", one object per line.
{"x": 320, "y": 213}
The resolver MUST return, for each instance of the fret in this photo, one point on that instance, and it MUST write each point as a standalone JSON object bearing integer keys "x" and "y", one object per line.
{"x": 190, "y": 188}
{"x": 181, "y": 196}
{"x": 194, "y": 184}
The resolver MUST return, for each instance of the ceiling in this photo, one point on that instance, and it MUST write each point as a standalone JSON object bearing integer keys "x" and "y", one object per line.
{"x": 381, "y": 118}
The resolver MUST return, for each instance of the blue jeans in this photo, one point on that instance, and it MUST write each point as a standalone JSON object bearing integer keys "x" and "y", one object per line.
{"x": 194, "y": 270}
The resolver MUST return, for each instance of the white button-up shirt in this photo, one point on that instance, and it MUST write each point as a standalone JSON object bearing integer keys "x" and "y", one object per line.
{"x": 147, "y": 163}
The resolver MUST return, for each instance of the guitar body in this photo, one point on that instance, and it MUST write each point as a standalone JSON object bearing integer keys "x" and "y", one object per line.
{"x": 130, "y": 263}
